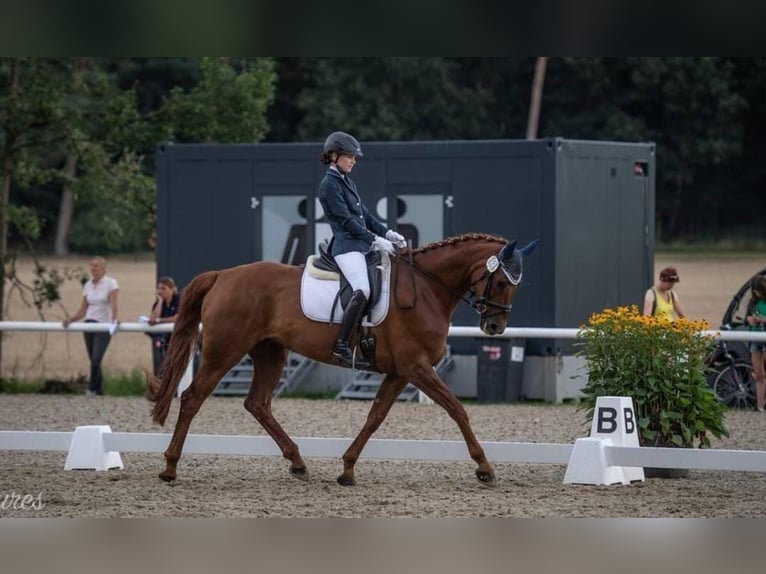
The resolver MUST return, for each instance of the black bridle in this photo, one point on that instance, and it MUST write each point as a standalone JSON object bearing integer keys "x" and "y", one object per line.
{"x": 481, "y": 304}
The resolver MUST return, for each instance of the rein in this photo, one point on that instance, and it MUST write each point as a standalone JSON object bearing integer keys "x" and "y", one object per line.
{"x": 414, "y": 287}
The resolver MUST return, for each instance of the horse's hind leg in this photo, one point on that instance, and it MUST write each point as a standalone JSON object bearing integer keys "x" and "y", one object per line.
{"x": 202, "y": 385}
{"x": 387, "y": 393}
{"x": 269, "y": 359}
{"x": 424, "y": 378}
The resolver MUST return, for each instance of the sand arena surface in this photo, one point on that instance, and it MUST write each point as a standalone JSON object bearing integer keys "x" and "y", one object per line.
{"x": 236, "y": 486}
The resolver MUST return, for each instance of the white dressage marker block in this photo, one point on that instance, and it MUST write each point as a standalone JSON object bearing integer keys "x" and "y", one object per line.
{"x": 588, "y": 464}
{"x": 614, "y": 419}
{"x": 87, "y": 450}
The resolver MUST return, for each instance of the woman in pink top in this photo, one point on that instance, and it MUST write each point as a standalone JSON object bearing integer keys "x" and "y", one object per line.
{"x": 99, "y": 305}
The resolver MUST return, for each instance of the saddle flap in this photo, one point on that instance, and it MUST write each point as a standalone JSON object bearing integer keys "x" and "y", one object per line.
{"x": 325, "y": 260}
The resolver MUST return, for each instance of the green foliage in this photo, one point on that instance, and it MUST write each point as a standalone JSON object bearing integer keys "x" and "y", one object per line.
{"x": 19, "y": 386}
{"x": 131, "y": 384}
{"x": 706, "y": 115}
{"x": 390, "y": 99}
{"x": 45, "y": 289}
{"x": 77, "y": 117}
{"x": 661, "y": 365}
{"x": 115, "y": 199}
{"x": 227, "y": 106}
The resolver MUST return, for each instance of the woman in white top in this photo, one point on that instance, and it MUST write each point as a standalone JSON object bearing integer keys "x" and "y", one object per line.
{"x": 99, "y": 305}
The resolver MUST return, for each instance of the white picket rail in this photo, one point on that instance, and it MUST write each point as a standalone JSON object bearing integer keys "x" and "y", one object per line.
{"x": 423, "y": 450}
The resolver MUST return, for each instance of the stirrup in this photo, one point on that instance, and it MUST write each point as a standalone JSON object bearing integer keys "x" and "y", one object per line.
{"x": 344, "y": 356}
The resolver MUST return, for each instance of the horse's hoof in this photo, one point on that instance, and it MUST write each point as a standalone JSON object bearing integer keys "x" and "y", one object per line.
{"x": 300, "y": 472}
{"x": 167, "y": 476}
{"x": 485, "y": 477}
{"x": 346, "y": 480}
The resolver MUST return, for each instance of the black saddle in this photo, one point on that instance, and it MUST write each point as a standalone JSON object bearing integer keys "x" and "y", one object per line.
{"x": 374, "y": 274}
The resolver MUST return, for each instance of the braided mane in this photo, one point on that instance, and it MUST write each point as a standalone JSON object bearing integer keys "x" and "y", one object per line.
{"x": 459, "y": 239}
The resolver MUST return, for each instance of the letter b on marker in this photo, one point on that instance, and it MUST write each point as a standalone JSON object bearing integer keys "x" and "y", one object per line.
{"x": 615, "y": 418}
{"x": 606, "y": 420}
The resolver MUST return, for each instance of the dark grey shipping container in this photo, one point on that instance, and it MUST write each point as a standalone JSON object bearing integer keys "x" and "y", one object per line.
{"x": 590, "y": 203}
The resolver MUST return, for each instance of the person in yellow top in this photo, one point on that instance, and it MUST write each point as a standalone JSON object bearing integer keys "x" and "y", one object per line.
{"x": 660, "y": 300}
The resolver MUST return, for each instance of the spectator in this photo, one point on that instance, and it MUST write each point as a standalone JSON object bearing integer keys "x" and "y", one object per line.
{"x": 755, "y": 318}
{"x": 99, "y": 305}
{"x": 661, "y": 301}
{"x": 164, "y": 310}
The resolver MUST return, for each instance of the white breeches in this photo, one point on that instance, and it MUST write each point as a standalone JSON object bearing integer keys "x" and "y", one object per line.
{"x": 354, "y": 267}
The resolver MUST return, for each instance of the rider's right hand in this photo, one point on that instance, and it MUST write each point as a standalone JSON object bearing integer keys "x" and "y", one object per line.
{"x": 384, "y": 245}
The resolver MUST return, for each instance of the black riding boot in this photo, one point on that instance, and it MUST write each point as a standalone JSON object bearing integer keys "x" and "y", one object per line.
{"x": 342, "y": 352}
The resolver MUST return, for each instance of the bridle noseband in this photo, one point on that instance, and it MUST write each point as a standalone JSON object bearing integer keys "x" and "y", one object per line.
{"x": 482, "y": 304}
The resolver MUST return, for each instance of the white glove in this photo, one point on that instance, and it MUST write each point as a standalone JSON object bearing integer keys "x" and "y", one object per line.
{"x": 383, "y": 245}
{"x": 396, "y": 238}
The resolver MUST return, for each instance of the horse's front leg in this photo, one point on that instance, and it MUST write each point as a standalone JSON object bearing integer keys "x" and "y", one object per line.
{"x": 389, "y": 390}
{"x": 269, "y": 360}
{"x": 425, "y": 379}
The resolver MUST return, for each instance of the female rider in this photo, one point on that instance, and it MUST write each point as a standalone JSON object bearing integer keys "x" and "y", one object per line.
{"x": 354, "y": 231}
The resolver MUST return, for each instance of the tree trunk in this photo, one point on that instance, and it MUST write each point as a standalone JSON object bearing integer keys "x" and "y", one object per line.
{"x": 537, "y": 96}
{"x": 66, "y": 207}
{"x": 6, "y": 164}
{"x": 5, "y": 193}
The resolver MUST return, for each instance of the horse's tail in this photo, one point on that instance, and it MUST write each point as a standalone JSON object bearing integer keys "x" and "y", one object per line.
{"x": 184, "y": 337}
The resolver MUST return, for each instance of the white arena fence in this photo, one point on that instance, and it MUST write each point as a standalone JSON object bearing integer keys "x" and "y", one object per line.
{"x": 601, "y": 462}
{"x": 591, "y": 460}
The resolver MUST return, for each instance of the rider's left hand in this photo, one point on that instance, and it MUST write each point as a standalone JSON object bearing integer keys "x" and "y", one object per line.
{"x": 396, "y": 238}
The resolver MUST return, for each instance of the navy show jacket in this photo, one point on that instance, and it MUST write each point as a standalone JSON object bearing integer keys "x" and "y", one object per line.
{"x": 353, "y": 227}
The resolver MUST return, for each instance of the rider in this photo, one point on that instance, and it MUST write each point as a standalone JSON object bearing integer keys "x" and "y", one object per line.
{"x": 355, "y": 231}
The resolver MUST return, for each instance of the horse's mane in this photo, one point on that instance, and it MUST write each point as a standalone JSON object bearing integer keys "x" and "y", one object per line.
{"x": 460, "y": 238}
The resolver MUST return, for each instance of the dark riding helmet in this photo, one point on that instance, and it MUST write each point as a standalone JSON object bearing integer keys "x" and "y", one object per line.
{"x": 341, "y": 142}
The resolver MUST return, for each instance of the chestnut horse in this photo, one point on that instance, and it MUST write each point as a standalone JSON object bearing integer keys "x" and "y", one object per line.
{"x": 255, "y": 309}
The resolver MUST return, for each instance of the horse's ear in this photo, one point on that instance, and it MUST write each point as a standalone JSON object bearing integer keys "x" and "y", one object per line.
{"x": 507, "y": 251}
{"x": 529, "y": 247}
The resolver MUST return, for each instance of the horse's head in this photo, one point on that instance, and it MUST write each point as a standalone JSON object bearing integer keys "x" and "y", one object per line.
{"x": 501, "y": 277}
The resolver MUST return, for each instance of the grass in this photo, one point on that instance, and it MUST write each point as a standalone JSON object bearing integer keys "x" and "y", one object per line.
{"x": 126, "y": 385}
{"x": 130, "y": 384}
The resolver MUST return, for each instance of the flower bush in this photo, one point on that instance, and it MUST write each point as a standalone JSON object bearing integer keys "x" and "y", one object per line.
{"x": 661, "y": 365}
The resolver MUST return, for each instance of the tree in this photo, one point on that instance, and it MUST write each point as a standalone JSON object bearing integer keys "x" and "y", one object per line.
{"x": 103, "y": 133}
{"x": 536, "y": 98}
{"x": 32, "y": 113}
{"x": 689, "y": 107}
{"x": 389, "y": 99}
{"x": 63, "y": 125}
{"x": 227, "y": 106}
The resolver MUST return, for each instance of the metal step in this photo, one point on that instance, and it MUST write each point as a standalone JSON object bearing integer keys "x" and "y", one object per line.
{"x": 237, "y": 380}
{"x": 364, "y": 385}
{"x": 296, "y": 368}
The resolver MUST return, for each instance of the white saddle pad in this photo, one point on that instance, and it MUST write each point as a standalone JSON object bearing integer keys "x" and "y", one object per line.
{"x": 319, "y": 288}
